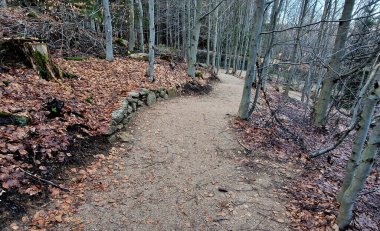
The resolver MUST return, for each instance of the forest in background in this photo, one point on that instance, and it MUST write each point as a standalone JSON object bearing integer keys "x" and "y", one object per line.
{"x": 326, "y": 52}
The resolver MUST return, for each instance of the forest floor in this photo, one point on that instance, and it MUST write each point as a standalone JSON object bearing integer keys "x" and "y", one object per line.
{"x": 181, "y": 168}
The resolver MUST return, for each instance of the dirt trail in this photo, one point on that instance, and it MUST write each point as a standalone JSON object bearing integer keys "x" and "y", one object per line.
{"x": 182, "y": 172}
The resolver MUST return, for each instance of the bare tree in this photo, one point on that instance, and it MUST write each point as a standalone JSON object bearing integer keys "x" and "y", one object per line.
{"x": 324, "y": 100}
{"x": 152, "y": 33}
{"x": 108, "y": 30}
{"x": 141, "y": 28}
{"x": 244, "y": 108}
{"x": 132, "y": 35}
{"x": 361, "y": 161}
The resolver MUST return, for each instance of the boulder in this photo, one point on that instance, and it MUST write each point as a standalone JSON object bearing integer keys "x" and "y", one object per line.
{"x": 166, "y": 96}
{"x": 151, "y": 99}
{"x": 134, "y": 106}
{"x": 162, "y": 93}
{"x": 140, "y": 103}
{"x": 140, "y": 56}
{"x": 132, "y": 100}
{"x": 172, "y": 92}
{"x": 130, "y": 109}
{"x": 118, "y": 115}
{"x": 133, "y": 94}
{"x": 111, "y": 130}
{"x": 144, "y": 91}
{"x": 125, "y": 137}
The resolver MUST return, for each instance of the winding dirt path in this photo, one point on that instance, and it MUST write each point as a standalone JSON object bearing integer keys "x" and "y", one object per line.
{"x": 182, "y": 172}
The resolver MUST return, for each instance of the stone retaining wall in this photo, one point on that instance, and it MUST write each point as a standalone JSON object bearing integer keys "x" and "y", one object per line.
{"x": 131, "y": 104}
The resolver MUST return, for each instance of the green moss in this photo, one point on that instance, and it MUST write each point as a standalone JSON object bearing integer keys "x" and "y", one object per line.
{"x": 11, "y": 119}
{"x": 6, "y": 83}
{"x": 199, "y": 74}
{"x": 122, "y": 42}
{"x": 69, "y": 75}
{"x": 76, "y": 58}
{"x": 41, "y": 61}
{"x": 32, "y": 14}
{"x": 90, "y": 99}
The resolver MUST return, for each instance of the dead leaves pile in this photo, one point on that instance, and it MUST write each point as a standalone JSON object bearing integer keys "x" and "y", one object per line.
{"x": 88, "y": 103}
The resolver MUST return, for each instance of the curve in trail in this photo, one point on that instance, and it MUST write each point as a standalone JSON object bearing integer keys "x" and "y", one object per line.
{"x": 183, "y": 172}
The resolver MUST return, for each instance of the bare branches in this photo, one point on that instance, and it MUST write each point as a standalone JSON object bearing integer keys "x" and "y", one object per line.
{"x": 315, "y": 23}
{"x": 212, "y": 10}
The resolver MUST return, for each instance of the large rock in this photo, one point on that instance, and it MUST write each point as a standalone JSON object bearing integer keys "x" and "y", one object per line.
{"x": 151, "y": 99}
{"x": 140, "y": 103}
{"x": 144, "y": 91}
{"x": 118, "y": 115}
{"x": 134, "y": 106}
{"x": 125, "y": 137}
{"x": 172, "y": 92}
{"x": 134, "y": 94}
{"x": 132, "y": 100}
{"x": 140, "y": 56}
{"x": 162, "y": 93}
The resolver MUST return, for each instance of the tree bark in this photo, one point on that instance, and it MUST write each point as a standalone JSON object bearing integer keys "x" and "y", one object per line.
{"x": 108, "y": 30}
{"x": 215, "y": 41}
{"x": 141, "y": 28}
{"x": 152, "y": 34}
{"x": 365, "y": 119}
{"x": 132, "y": 35}
{"x": 194, "y": 39}
{"x": 243, "y": 112}
{"x": 364, "y": 163}
{"x": 291, "y": 73}
{"x": 208, "y": 39}
{"x": 324, "y": 100}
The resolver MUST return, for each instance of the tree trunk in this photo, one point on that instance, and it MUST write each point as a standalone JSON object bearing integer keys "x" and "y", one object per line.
{"x": 193, "y": 49}
{"x": 324, "y": 100}
{"x": 151, "y": 40}
{"x": 208, "y": 40}
{"x": 215, "y": 42}
{"x": 108, "y": 30}
{"x": 365, "y": 119}
{"x": 364, "y": 163}
{"x": 269, "y": 43}
{"x": 237, "y": 40}
{"x": 267, "y": 51}
{"x": 291, "y": 73}
{"x": 132, "y": 36}
{"x": 184, "y": 30}
{"x": 141, "y": 28}
{"x": 3, "y": 3}
{"x": 194, "y": 40}
{"x": 243, "y": 112}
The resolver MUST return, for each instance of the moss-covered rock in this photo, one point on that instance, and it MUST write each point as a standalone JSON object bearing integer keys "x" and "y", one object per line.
{"x": 13, "y": 119}
{"x": 172, "y": 92}
{"x": 140, "y": 56}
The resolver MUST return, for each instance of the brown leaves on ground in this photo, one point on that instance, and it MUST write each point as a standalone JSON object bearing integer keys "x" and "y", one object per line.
{"x": 312, "y": 194}
{"x": 88, "y": 103}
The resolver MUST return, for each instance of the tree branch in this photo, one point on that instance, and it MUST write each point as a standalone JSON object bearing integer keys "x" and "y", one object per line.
{"x": 315, "y": 23}
{"x": 43, "y": 180}
{"x": 206, "y": 14}
{"x": 332, "y": 147}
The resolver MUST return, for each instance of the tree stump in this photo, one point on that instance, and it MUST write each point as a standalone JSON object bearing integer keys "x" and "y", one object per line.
{"x": 30, "y": 52}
